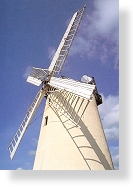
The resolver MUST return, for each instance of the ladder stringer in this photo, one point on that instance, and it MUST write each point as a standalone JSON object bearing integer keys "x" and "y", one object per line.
{"x": 25, "y": 123}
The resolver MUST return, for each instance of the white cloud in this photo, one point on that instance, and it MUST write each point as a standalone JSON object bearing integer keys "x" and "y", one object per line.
{"x": 115, "y": 159}
{"x": 113, "y": 116}
{"x": 34, "y": 141}
{"x": 51, "y": 52}
{"x": 105, "y": 16}
{"x": 98, "y": 33}
{"x": 31, "y": 152}
{"x": 115, "y": 156}
{"x": 26, "y": 166}
{"x": 103, "y": 20}
{"x": 19, "y": 168}
{"x": 109, "y": 112}
{"x": 110, "y": 103}
{"x": 27, "y": 72}
{"x": 112, "y": 134}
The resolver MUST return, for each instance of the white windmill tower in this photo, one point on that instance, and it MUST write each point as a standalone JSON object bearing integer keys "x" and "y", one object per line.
{"x": 71, "y": 134}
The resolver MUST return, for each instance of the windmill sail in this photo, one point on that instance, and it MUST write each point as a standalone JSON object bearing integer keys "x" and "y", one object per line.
{"x": 37, "y": 76}
{"x": 65, "y": 44}
{"x": 25, "y": 123}
{"x": 81, "y": 89}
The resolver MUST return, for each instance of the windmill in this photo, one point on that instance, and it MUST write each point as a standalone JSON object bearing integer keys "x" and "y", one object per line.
{"x": 71, "y": 135}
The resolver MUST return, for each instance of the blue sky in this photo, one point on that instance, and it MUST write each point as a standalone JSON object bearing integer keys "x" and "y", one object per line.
{"x": 30, "y": 32}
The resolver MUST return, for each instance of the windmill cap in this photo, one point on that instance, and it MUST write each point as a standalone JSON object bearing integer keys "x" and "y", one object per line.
{"x": 86, "y": 79}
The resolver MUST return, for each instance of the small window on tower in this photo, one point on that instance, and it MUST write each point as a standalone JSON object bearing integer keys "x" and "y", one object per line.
{"x": 46, "y": 121}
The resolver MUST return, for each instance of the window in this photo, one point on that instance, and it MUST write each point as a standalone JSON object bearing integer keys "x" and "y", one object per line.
{"x": 46, "y": 121}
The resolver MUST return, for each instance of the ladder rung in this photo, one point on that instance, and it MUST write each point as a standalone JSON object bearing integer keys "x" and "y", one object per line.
{"x": 66, "y": 45}
{"x": 64, "y": 50}
{"x": 81, "y": 10}
{"x": 70, "y": 35}
{"x": 78, "y": 16}
{"x": 67, "y": 40}
{"x": 60, "y": 56}
{"x": 75, "y": 24}
{"x": 76, "y": 20}
{"x": 72, "y": 30}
